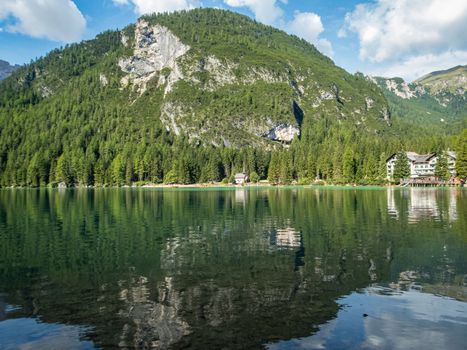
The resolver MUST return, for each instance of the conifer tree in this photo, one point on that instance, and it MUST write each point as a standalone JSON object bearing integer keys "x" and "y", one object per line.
{"x": 461, "y": 160}
{"x": 382, "y": 168}
{"x": 274, "y": 169}
{"x": 285, "y": 171}
{"x": 441, "y": 168}
{"x": 348, "y": 167}
{"x": 63, "y": 170}
{"x": 401, "y": 167}
{"x": 118, "y": 170}
{"x": 129, "y": 172}
{"x": 254, "y": 177}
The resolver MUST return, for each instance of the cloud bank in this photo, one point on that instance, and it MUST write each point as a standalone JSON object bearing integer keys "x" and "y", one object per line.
{"x": 265, "y": 11}
{"x": 57, "y": 20}
{"x": 308, "y": 26}
{"x": 150, "y": 6}
{"x": 407, "y": 35}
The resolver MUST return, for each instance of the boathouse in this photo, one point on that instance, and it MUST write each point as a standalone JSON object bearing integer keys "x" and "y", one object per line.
{"x": 241, "y": 178}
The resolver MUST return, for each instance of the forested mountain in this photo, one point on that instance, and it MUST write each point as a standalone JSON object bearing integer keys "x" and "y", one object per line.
{"x": 6, "y": 69}
{"x": 194, "y": 96}
{"x": 453, "y": 80}
{"x": 435, "y": 102}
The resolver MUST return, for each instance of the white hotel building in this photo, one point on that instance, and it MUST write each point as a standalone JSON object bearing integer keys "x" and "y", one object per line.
{"x": 421, "y": 164}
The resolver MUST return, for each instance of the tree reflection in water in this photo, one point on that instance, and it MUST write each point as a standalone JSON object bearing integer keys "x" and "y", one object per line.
{"x": 216, "y": 269}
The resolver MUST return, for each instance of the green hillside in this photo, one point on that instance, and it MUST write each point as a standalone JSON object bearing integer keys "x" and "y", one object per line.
{"x": 436, "y": 103}
{"x": 453, "y": 79}
{"x": 193, "y": 96}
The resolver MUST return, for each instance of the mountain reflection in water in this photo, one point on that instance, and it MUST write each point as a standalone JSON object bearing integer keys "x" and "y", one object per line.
{"x": 274, "y": 268}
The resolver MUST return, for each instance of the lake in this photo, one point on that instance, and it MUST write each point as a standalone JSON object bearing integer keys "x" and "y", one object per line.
{"x": 294, "y": 268}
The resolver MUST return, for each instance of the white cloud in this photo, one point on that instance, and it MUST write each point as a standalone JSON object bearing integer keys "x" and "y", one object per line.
{"x": 58, "y": 20}
{"x": 308, "y": 26}
{"x": 150, "y": 6}
{"x": 266, "y": 11}
{"x": 417, "y": 66}
{"x": 397, "y": 29}
{"x": 325, "y": 46}
{"x": 342, "y": 33}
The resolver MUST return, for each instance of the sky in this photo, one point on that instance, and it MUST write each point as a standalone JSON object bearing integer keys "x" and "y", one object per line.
{"x": 405, "y": 38}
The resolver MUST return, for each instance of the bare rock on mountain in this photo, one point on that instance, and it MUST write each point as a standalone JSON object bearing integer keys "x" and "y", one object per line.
{"x": 156, "y": 48}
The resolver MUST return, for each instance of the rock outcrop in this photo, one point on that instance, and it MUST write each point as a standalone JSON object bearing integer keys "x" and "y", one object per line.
{"x": 156, "y": 48}
{"x": 161, "y": 55}
{"x": 283, "y": 132}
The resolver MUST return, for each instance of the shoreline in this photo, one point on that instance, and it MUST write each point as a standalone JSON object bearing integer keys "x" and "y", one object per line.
{"x": 220, "y": 186}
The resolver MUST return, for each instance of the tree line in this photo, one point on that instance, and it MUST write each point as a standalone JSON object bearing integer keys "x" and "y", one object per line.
{"x": 59, "y": 124}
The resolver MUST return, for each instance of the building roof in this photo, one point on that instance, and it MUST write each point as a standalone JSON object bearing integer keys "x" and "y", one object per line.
{"x": 415, "y": 157}
{"x": 420, "y": 158}
{"x": 240, "y": 175}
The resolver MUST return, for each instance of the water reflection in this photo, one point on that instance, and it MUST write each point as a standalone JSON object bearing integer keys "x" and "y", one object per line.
{"x": 219, "y": 269}
{"x": 393, "y": 211}
{"x": 154, "y": 323}
{"x": 32, "y": 334}
{"x": 423, "y": 203}
{"x": 286, "y": 238}
{"x": 393, "y": 320}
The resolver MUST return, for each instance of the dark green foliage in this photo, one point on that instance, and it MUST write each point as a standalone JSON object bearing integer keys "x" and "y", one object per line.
{"x": 274, "y": 169}
{"x": 60, "y": 123}
{"x": 254, "y": 177}
{"x": 441, "y": 168}
{"x": 401, "y": 167}
{"x": 461, "y": 161}
{"x": 432, "y": 110}
{"x": 348, "y": 168}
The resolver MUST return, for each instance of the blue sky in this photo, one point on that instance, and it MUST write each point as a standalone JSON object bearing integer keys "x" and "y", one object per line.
{"x": 405, "y": 38}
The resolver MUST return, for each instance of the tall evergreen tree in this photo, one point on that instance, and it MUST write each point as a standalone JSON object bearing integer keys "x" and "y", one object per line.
{"x": 348, "y": 167}
{"x": 274, "y": 169}
{"x": 118, "y": 170}
{"x": 441, "y": 168}
{"x": 401, "y": 167}
{"x": 63, "y": 172}
{"x": 285, "y": 170}
{"x": 461, "y": 160}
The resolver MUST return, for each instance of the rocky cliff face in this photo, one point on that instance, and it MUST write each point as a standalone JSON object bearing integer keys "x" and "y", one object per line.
{"x": 156, "y": 48}
{"x": 226, "y": 101}
{"x": 160, "y": 56}
{"x": 212, "y": 76}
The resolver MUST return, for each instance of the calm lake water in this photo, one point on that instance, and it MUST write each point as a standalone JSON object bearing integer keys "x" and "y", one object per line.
{"x": 233, "y": 269}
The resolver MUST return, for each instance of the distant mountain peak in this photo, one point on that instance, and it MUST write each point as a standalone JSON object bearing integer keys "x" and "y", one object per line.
{"x": 436, "y": 99}
{"x": 6, "y": 69}
{"x": 452, "y": 79}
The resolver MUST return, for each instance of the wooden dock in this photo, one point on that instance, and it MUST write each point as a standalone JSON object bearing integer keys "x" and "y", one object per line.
{"x": 430, "y": 181}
